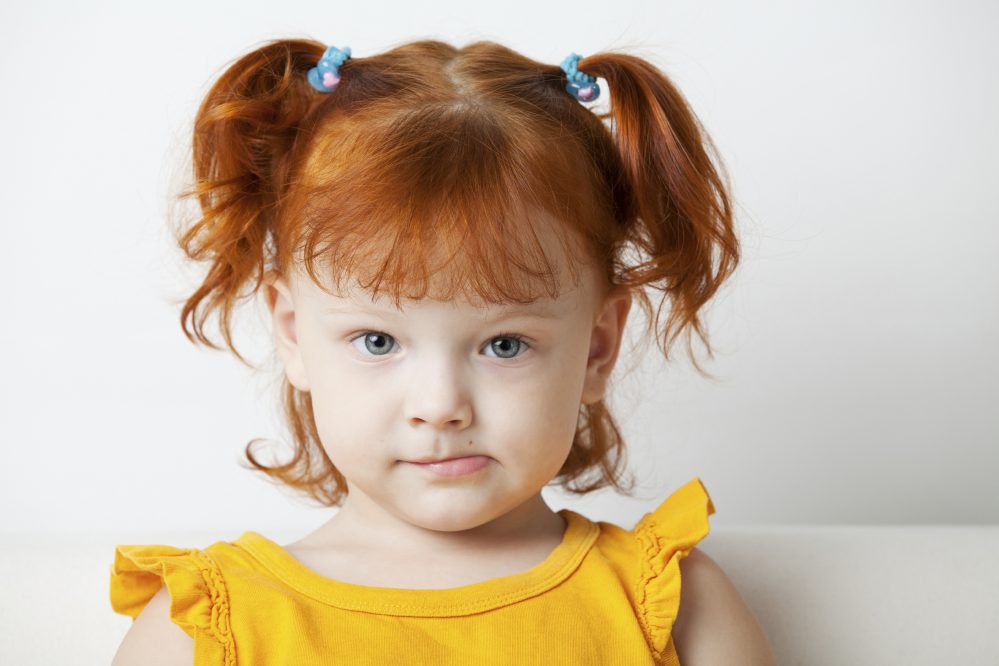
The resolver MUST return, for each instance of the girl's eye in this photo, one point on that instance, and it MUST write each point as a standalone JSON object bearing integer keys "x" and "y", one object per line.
{"x": 376, "y": 343}
{"x": 507, "y": 345}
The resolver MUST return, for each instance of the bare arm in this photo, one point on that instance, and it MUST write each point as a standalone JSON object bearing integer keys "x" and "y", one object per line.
{"x": 714, "y": 626}
{"x": 153, "y": 639}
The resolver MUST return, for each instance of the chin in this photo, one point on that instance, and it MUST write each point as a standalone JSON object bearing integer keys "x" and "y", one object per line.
{"x": 451, "y": 523}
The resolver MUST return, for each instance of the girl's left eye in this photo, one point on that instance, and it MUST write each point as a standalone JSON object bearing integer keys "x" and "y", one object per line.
{"x": 513, "y": 344}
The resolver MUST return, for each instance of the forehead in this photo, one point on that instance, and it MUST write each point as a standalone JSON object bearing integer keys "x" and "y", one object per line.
{"x": 363, "y": 301}
{"x": 352, "y": 297}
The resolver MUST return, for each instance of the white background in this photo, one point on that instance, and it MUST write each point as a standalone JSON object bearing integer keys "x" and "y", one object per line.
{"x": 857, "y": 363}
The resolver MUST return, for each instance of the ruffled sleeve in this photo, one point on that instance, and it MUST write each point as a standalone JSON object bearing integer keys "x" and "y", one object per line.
{"x": 199, "y": 603}
{"x": 665, "y": 536}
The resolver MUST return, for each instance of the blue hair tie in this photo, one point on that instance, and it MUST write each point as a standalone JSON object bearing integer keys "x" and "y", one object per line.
{"x": 582, "y": 86}
{"x": 325, "y": 76}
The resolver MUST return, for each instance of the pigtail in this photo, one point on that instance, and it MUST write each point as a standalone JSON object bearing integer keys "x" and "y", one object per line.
{"x": 246, "y": 134}
{"x": 684, "y": 227}
{"x": 244, "y": 131}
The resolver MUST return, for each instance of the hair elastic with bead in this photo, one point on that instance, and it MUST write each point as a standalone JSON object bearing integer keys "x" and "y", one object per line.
{"x": 582, "y": 86}
{"x": 325, "y": 76}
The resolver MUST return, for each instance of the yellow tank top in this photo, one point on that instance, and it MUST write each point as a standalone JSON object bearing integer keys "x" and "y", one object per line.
{"x": 605, "y": 595}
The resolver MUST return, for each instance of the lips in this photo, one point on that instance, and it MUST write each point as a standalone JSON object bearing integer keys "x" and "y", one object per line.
{"x": 452, "y": 467}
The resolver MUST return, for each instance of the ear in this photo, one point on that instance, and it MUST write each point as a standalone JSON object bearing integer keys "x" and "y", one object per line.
{"x": 282, "y": 309}
{"x": 605, "y": 342}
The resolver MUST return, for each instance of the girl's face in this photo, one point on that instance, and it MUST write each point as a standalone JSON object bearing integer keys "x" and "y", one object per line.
{"x": 444, "y": 379}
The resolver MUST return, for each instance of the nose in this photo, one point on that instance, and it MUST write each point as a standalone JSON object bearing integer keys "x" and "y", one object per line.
{"x": 439, "y": 397}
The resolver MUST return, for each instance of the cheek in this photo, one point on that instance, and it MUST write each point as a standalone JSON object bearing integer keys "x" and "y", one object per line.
{"x": 342, "y": 408}
{"x": 543, "y": 415}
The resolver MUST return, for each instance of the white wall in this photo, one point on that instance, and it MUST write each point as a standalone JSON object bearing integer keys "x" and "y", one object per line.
{"x": 857, "y": 358}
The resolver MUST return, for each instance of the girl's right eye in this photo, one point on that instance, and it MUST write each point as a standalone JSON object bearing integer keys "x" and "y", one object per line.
{"x": 375, "y": 342}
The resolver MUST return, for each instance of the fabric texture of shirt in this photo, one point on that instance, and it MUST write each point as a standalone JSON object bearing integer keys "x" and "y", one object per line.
{"x": 604, "y": 595}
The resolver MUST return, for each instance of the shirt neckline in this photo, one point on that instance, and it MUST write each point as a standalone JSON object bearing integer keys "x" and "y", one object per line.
{"x": 579, "y": 535}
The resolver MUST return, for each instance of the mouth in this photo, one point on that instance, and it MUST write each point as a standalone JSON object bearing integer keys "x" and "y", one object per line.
{"x": 460, "y": 466}
{"x": 437, "y": 460}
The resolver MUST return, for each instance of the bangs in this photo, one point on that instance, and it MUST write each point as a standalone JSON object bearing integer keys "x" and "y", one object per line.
{"x": 444, "y": 202}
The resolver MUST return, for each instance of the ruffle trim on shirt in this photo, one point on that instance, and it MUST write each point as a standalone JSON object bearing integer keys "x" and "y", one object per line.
{"x": 199, "y": 602}
{"x": 665, "y": 536}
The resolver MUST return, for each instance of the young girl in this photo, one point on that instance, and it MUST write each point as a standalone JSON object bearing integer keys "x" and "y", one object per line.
{"x": 448, "y": 242}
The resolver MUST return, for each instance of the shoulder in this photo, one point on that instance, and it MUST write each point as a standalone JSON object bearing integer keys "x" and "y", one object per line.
{"x": 713, "y": 624}
{"x": 153, "y": 639}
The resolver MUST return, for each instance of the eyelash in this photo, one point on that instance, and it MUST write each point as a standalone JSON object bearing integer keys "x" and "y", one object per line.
{"x": 512, "y": 336}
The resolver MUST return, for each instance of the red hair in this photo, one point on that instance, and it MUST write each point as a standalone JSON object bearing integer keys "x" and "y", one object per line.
{"x": 428, "y": 154}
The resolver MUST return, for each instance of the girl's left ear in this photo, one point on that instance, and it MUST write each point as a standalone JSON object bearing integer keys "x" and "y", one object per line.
{"x": 605, "y": 343}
